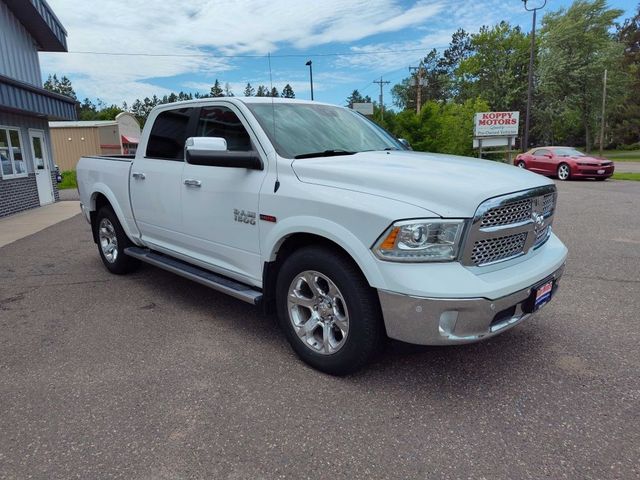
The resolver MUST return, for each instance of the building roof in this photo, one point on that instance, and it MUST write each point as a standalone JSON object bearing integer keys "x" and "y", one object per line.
{"x": 83, "y": 124}
{"x": 41, "y": 23}
{"x": 20, "y": 97}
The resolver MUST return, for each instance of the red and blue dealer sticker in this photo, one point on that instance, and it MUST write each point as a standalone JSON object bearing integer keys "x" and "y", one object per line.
{"x": 543, "y": 294}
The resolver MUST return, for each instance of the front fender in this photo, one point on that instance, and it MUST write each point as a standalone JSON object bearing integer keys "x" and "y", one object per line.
{"x": 335, "y": 232}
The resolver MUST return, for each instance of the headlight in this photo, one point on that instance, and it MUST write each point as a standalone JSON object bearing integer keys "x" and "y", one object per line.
{"x": 420, "y": 241}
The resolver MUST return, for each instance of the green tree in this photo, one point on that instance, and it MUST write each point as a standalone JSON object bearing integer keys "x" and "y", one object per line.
{"x": 356, "y": 97}
{"x": 216, "y": 90}
{"x": 87, "y": 110}
{"x": 576, "y": 47}
{"x": 432, "y": 79}
{"x": 625, "y": 116}
{"x": 108, "y": 112}
{"x": 287, "y": 92}
{"x": 274, "y": 92}
{"x": 262, "y": 91}
{"x": 496, "y": 68}
{"x": 249, "y": 91}
{"x": 444, "y": 127}
{"x": 227, "y": 90}
{"x": 62, "y": 86}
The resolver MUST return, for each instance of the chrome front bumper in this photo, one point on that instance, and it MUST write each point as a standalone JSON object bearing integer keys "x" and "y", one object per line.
{"x": 447, "y": 321}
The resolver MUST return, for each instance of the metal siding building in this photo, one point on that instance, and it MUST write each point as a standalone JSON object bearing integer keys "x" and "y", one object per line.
{"x": 72, "y": 140}
{"x": 26, "y": 168}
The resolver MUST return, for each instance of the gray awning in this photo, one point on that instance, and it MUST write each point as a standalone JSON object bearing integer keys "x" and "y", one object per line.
{"x": 40, "y": 21}
{"x": 26, "y": 99}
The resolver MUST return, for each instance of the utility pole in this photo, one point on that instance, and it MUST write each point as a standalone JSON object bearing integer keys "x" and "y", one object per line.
{"x": 419, "y": 75}
{"x": 525, "y": 145}
{"x": 382, "y": 84}
{"x": 604, "y": 103}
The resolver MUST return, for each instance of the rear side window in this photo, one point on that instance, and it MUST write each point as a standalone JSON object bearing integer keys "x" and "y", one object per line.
{"x": 223, "y": 122}
{"x": 168, "y": 134}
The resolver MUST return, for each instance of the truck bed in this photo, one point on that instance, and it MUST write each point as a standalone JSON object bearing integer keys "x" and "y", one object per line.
{"x": 108, "y": 175}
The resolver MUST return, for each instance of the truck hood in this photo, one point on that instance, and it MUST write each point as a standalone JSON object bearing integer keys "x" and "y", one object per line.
{"x": 447, "y": 185}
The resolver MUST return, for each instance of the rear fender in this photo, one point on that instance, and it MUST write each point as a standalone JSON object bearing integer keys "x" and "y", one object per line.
{"x": 128, "y": 224}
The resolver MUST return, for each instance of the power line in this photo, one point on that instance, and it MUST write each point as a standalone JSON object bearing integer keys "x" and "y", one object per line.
{"x": 204, "y": 55}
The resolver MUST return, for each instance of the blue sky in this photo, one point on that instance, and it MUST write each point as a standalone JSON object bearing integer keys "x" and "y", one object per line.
{"x": 229, "y": 40}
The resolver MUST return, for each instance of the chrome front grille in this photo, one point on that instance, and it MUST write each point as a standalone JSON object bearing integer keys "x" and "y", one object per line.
{"x": 496, "y": 249}
{"x": 509, "y": 226}
{"x": 515, "y": 212}
{"x": 548, "y": 203}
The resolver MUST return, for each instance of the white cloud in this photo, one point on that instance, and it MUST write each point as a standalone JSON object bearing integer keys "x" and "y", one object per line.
{"x": 197, "y": 30}
{"x": 198, "y": 27}
{"x": 467, "y": 15}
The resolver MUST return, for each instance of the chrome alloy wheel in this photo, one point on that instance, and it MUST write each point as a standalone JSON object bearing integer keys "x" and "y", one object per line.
{"x": 108, "y": 240}
{"x": 563, "y": 172}
{"x": 318, "y": 312}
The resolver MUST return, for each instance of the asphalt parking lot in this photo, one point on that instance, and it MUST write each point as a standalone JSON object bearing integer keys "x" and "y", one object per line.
{"x": 151, "y": 376}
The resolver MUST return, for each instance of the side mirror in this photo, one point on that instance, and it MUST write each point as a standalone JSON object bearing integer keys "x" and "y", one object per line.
{"x": 548, "y": 155}
{"x": 406, "y": 143}
{"x": 212, "y": 152}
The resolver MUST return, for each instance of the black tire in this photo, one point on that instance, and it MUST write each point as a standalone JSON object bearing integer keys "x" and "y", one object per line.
{"x": 521, "y": 164}
{"x": 601, "y": 179}
{"x": 366, "y": 333}
{"x": 121, "y": 263}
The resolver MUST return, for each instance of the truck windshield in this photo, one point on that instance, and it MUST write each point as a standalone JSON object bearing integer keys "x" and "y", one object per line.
{"x": 305, "y": 130}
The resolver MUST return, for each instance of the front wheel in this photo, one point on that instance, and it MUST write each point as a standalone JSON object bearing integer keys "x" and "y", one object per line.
{"x": 564, "y": 172}
{"x": 521, "y": 164}
{"x": 329, "y": 313}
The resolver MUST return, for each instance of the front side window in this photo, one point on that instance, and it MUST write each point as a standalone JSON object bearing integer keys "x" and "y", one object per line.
{"x": 302, "y": 129}
{"x": 168, "y": 134}
{"x": 11, "y": 153}
{"x": 223, "y": 122}
{"x": 542, "y": 153}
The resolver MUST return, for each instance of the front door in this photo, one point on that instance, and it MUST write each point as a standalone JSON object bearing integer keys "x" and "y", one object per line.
{"x": 219, "y": 204}
{"x": 42, "y": 166}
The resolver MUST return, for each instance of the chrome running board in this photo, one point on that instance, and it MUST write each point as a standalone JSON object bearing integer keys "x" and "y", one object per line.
{"x": 204, "y": 277}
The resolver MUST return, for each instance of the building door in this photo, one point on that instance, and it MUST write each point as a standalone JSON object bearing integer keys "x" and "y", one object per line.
{"x": 41, "y": 165}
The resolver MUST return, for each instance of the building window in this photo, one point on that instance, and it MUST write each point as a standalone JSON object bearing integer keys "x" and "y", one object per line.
{"x": 12, "y": 154}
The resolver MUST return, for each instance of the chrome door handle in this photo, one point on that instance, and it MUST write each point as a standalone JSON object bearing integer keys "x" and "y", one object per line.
{"x": 138, "y": 175}
{"x": 189, "y": 182}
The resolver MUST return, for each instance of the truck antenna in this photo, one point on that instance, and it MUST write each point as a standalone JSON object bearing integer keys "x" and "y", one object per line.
{"x": 273, "y": 117}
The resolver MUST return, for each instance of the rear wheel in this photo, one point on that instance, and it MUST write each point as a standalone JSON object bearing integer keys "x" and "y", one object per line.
{"x": 111, "y": 243}
{"x": 564, "y": 172}
{"x": 329, "y": 313}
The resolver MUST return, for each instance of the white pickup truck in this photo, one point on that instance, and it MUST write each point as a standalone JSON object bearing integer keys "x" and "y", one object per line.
{"x": 314, "y": 212}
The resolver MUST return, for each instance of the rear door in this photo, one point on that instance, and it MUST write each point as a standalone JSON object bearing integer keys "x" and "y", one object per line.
{"x": 156, "y": 179}
{"x": 220, "y": 205}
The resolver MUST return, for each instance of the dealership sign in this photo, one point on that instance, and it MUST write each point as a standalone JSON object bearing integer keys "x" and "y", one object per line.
{"x": 496, "y": 124}
{"x": 363, "y": 108}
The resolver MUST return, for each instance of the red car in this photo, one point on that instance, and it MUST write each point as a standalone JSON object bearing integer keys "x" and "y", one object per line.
{"x": 565, "y": 163}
